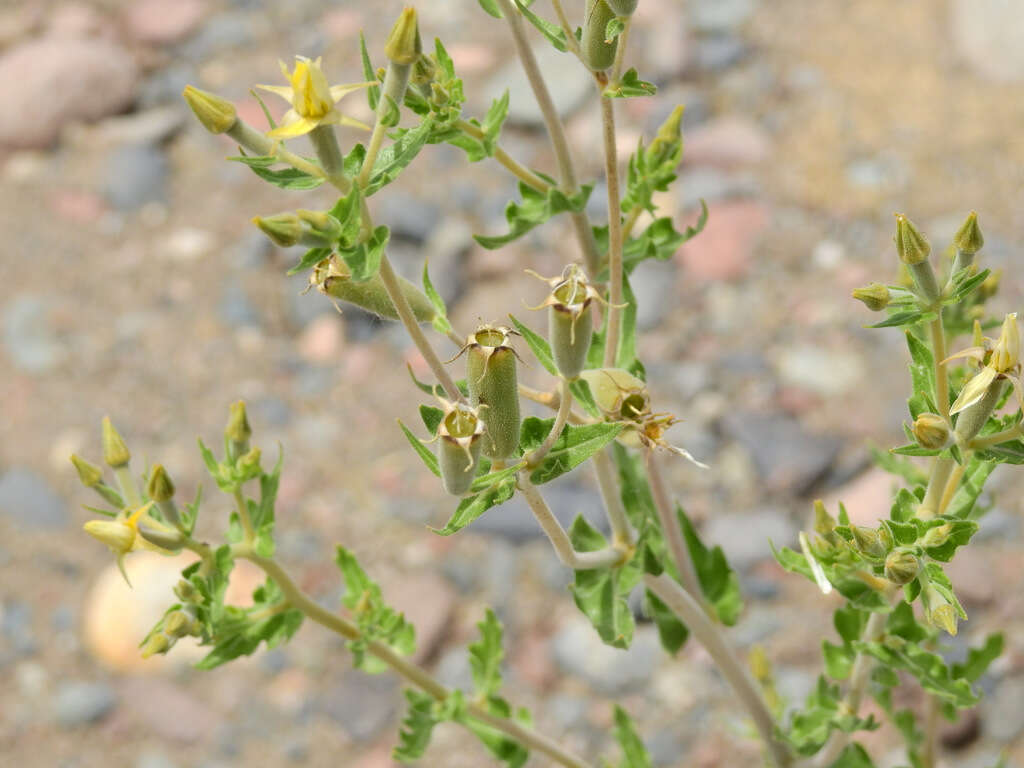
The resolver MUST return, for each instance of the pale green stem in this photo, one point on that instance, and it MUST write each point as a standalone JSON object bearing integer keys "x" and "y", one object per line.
{"x": 129, "y": 488}
{"x": 567, "y": 554}
{"x": 931, "y": 731}
{"x": 325, "y": 142}
{"x": 604, "y": 470}
{"x": 987, "y": 441}
{"x": 941, "y": 469}
{"x": 952, "y": 484}
{"x": 255, "y": 141}
{"x": 563, "y": 22}
{"x": 402, "y": 666}
{"x": 627, "y": 226}
{"x": 243, "y": 516}
{"x": 517, "y": 169}
{"x": 859, "y": 677}
{"x": 372, "y": 150}
{"x": 564, "y": 407}
{"x": 673, "y": 532}
{"x": 683, "y": 605}
{"x": 611, "y": 169}
{"x": 556, "y": 132}
{"x": 620, "y": 51}
{"x": 941, "y": 377}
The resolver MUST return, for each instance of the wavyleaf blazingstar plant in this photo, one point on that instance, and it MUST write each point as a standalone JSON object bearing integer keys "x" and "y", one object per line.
{"x": 314, "y": 102}
{"x": 894, "y": 601}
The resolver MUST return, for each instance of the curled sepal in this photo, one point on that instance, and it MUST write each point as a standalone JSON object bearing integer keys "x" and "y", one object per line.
{"x": 493, "y": 388}
{"x": 570, "y": 318}
{"x": 460, "y": 436}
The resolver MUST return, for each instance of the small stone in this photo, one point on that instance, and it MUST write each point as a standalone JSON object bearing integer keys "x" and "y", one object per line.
{"x": 78, "y": 703}
{"x": 745, "y": 537}
{"x": 29, "y": 337}
{"x": 408, "y": 216}
{"x": 713, "y": 184}
{"x": 147, "y": 127}
{"x": 16, "y": 625}
{"x": 166, "y": 710}
{"x": 727, "y": 141}
{"x": 568, "y": 91}
{"x": 719, "y": 15}
{"x": 787, "y": 457}
{"x": 29, "y": 500}
{"x": 322, "y": 340}
{"x": 724, "y": 249}
{"x": 136, "y": 175}
{"x": 989, "y": 34}
{"x": 163, "y": 21}
{"x": 50, "y": 82}
{"x": 579, "y": 651}
{"x": 187, "y": 244}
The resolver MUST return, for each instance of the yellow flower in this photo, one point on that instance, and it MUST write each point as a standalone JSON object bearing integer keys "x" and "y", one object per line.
{"x": 1003, "y": 361}
{"x": 313, "y": 100}
{"x": 122, "y": 534}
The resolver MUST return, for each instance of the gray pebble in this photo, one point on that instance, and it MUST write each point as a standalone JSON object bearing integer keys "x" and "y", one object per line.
{"x": 28, "y": 499}
{"x": 136, "y": 175}
{"x": 78, "y": 703}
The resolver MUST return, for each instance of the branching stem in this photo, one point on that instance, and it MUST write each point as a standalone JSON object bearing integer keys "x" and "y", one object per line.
{"x": 517, "y": 169}
{"x": 564, "y": 407}
{"x": 611, "y": 169}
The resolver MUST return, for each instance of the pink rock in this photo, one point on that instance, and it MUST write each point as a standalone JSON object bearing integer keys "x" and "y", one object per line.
{"x": 78, "y": 207}
{"x": 728, "y": 141}
{"x": 472, "y": 57}
{"x": 723, "y": 250}
{"x": 342, "y": 23}
{"x": 322, "y": 340}
{"x": 159, "y": 22}
{"x": 867, "y": 498}
{"x": 74, "y": 20}
{"x": 47, "y": 83}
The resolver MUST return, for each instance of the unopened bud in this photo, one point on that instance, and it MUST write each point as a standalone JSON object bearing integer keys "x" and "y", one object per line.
{"x": 180, "y": 624}
{"x": 185, "y": 591}
{"x": 284, "y": 229}
{"x": 938, "y": 610}
{"x": 597, "y": 52}
{"x": 159, "y": 487}
{"x": 902, "y": 567}
{"x": 115, "y": 452}
{"x": 119, "y": 536}
{"x": 216, "y": 114}
{"x": 238, "y": 431}
{"x": 403, "y": 44}
{"x": 460, "y": 438}
{"x": 493, "y": 388}
{"x": 824, "y": 523}
{"x": 156, "y": 643}
{"x": 870, "y": 541}
{"x": 668, "y": 142}
{"x": 315, "y": 229}
{"x": 968, "y": 239}
{"x": 89, "y": 474}
{"x": 937, "y": 536}
{"x": 911, "y": 245}
{"x": 250, "y": 461}
{"x": 931, "y": 431}
{"x": 874, "y": 295}
{"x": 320, "y": 228}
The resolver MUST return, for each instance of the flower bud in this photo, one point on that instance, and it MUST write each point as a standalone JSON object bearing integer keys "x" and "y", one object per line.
{"x": 493, "y": 388}
{"x": 668, "y": 141}
{"x": 968, "y": 239}
{"x": 874, "y": 295}
{"x": 89, "y": 474}
{"x": 115, "y": 452}
{"x": 902, "y": 567}
{"x": 936, "y": 537}
{"x": 116, "y": 534}
{"x": 460, "y": 438}
{"x": 316, "y": 229}
{"x": 911, "y": 245}
{"x": 332, "y": 278}
{"x": 159, "y": 488}
{"x": 180, "y": 624}
{"x": 238, "y": 431}
{"x": 157, "y": 643}
{"x": 403, "y": 45}
{"x": 824, "y": 523}
{"x": 250, "y": 461}
{"x": 938, "y": 610}
{"x": 185, "y": 591}
{"x": 284, "y": 229}
{"x": 1006, "y": 354}
{"x": 622, "y": 7}
{"x": 931, "y": 431}
{"x": 597, "y": 52}
{"x": 216, "y": 114}
{"x": 872, "y": 543}
{"x": 620, "y": 395}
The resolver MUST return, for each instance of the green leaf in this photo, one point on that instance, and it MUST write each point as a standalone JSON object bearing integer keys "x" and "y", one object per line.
{"x": 364, "y": 259}
{"x": 853, "y": 756}
{"x": 431, "y": 418}
{"x": 369, "y": 75}
{"x": 613, "y": 29}
{"x": 285, "y": 178}
{"x": 310, "y": 258}
{"x": 672, "y": 633}
{"x": 634, "y": 753}
{"x": 485, "y": 656}
{"x": 554, "y": 33}
{"x": 494, "y": 478}
{"x": 390, "y": 116}
{"x": 394, "y": 158}
{"x": 907, "y": 318}
{"x": 581, "y": 392}
{"x": 538, "y": 345}
{"x": 979, "y": 659}
{"x": 964, "y": 284}
{"x": 929, "y": 669}
{"x": 436, "y": 390}
{"x": 573, "y": 446}
{"x": 491, "y": 7}
{"x": 417, "y": 726}
{"x": 471, "y": 507}
{"x": 810, "y": 727}
{"x": 597, "y": 592}
{"x": 960, "y": 532}
{"x": 971, "y": 485}
{"x": 377, "y": 621}
{"x": 424, "y": 453}
{"x": 659, "y": 240}
{"x": 718, "y": 582}
{"x": 536, "y": 208}
{"x": 629, "y": 86}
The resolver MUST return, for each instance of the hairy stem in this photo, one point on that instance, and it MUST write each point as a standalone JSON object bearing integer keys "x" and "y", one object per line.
{"x": 604, "y": 469}
{"x": 931, "y": 731}
{"x": 859, "y": 677}
{"x": 243, "y": 516}
{"x": 556, "y": 132}
{"x": 987, "y": 441}
{"x": 255, "y": 141}
{"x": 941, "y": 378}
{"x": 951, "y": 485}
{"x": 611, "y": 169}
{"x": 567, "y": 554}
{"x": 517, "y": 169}
{"x": 706, "y": 631}
{"x": 372, "y": 150}
{"x": 941, "y": 469}
{"x": 630, "y": 222}
{"x": 325, "y": 142}
{"x": 564, "y": 407}
{"x": 402, "y": 666}
{"x": 563, "y": 21}
{"x": 620, "y": 51}
{"x": 129, "y": 488}
{"x": 673, "y": 532}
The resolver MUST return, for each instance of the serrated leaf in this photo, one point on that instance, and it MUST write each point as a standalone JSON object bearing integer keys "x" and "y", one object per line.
{"x": 471, "y": 507}
{"x": 979, "y": 659}
{"x": 573, "y": 446}
{"x": 285, "y": 178}
{"x": 535, "y": 208}
{"x": 907, "y": 318}
{"x": 554, "y": 33}
{"x": 964, "y": 283}
{"x": 853, "y": 756}
{"x": 613, "y": 28}
{"x": 393, "y": 159}
{"x": 928, "y": 668}
{"x": 971, "y": 485}
{"x": 425, "y": 453}
{"x": 634, "y": 753}
{"x": 822, "y": 713}
{"x": 660, "y": 241}
{"x": 364, "y": 259}
{"x": 485, "y": 656}
{"x": 417, "y": 726}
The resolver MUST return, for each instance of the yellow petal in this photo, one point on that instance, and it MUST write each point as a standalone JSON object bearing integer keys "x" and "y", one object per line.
{"x": 283, "y": 91}
{"x": 298, "y": 127}
{"x": 338, "y": 91}
{"x": 977, "y": 353}
{"x": 974, "y": 390}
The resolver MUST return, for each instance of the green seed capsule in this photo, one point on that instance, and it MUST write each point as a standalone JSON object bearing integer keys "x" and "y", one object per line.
{"x": 598, "y": 53}
{"x": 333, "y": 278}
{"x": 622, "y": 7}
{"x": 493, "y": 388}
{"x": 460, "y": 438}
{"x": 570, "y": 319}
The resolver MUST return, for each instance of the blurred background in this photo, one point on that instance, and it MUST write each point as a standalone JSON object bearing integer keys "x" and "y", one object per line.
{"x": 134, "y": 285}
